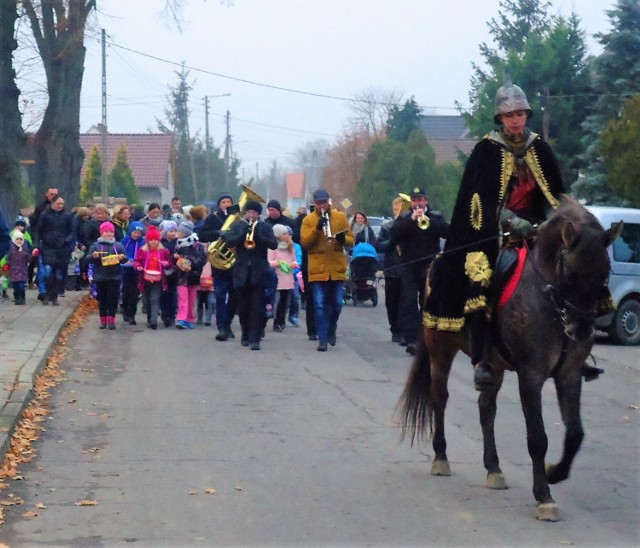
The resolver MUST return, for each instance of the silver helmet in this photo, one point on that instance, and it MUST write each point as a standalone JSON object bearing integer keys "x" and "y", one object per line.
{"x": 510, "y": 98}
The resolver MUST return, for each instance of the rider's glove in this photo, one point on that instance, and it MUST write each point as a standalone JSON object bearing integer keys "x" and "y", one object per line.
{"x": 516, "y": 226}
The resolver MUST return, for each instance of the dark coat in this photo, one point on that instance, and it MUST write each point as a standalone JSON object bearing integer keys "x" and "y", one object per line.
{"x": 5, "y": 238}
{"x": 418, "y": 247}
{"x": 87, "y": 232}
{"x": 251, "y": 266}
{"x": 106, "y": 273}
{"x": 387, "y": 246}
{"x": 210, "y": 229}
{"x": 18, "y": 261}
{"x": 198, "y": 257}
{"x": 54, "y": 237}
{"x": 460, "y": 278}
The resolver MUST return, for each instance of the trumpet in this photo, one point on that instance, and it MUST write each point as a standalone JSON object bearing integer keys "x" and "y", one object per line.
{"x": 423, "y": 222}
{"x": 327, "y": 228}
{"x": 249, "y": 243}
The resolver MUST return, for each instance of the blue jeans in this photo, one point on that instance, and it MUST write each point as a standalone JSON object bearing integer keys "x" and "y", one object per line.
{"x": 327, "y": 302}
{"x": 225, "y": 304}
{"x": 40, "y": 276}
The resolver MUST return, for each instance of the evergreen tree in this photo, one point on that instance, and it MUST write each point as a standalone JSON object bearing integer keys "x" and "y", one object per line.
{"x": 620, "y": 146}
{"x": 546, "y": 56}
{"x": 121, "y": 181}
{"x": 92, "y": 182}
{"x": 403, "y": 120}
{"x": 616, "y": 76}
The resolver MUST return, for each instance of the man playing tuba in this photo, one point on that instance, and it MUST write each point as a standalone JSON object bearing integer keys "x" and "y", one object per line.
{"x": 324, "y": 234}
{"x": 251, "y": 237}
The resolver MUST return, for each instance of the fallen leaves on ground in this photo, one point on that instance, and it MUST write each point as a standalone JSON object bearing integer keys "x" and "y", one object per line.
{"x": 86, "y": 502}
{"x": 30, "y": 426}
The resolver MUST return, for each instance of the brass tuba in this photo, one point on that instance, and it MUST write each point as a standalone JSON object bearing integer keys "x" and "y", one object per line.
{"x": 221, "y": 256}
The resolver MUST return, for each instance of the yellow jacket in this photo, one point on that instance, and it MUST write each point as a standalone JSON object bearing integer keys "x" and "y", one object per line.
{"x": 326, "y": 261}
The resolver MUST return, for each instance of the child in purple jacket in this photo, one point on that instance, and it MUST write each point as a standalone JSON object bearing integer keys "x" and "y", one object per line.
{"x": 18, "y": 261}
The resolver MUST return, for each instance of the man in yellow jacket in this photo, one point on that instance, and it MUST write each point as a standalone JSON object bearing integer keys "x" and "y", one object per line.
{"x": 325, "y": 234}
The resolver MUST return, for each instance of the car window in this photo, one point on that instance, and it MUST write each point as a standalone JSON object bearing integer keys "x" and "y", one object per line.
{"x": 626, "y": 249}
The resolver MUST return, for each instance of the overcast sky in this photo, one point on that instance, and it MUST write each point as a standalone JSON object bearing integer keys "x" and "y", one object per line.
{"x": 328, "y": 49}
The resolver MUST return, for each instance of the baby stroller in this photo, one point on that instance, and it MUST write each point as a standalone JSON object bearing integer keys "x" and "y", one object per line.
{"x": 362, "y": 284}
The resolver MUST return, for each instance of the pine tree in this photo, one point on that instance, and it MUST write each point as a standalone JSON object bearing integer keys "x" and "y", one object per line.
{"x": 616, "y": 76}
{"x": 121, "y": 180}
{"x": 92, "y": 182}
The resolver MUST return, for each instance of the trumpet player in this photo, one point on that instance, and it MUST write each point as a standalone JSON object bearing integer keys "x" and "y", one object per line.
{"x": 416, "y": 233}
{"x": 325, "y": 234}
{"x": 251, "y": 237}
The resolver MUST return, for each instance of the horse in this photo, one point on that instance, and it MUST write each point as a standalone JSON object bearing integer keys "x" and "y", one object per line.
{"x": 545, "y": 330}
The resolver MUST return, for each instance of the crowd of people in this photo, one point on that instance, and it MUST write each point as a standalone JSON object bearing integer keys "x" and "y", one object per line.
{"x": 510, "y": 183}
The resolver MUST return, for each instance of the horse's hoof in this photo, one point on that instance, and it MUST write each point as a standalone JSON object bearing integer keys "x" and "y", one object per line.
{"x": 495, "y": 480}
{"x": 440, "y": 468}
{"x": 548, "y": 511}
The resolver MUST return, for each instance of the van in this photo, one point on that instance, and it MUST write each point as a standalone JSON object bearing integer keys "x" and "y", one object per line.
{"x": 623, "y": 324}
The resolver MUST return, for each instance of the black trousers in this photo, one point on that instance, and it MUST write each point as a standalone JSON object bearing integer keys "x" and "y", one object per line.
{"x": 250, "y": 305}
{"x": 108, "y": 297}
{"x": 412, "y": 292}
{"x": 310, "y": 309}
{"x": 392, "y": 292}
{"x": 130, "y": 292}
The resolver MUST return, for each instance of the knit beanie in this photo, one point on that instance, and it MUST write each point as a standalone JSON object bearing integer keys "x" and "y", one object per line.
{"x": 17, "y": 234}
{"x": 153, "y": 234}
{"x": 167, "y": 225}
{"x": 275, "y": 204}
{"x": 186, "y": 227}
{"x": 222, "y": 196}
{"x": 107, "y": 226}
{"x": 253, "y": 206}
{"x": 20, "y": 220}
{"x": 136, "y": 225}
{"x": 279, "y": 230}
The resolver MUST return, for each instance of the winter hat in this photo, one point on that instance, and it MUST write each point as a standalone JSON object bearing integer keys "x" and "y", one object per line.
{"x": 186, "y": 227}
{"x": 253, "y": 206}
{"x": 177, "y": 218}
{"x": 136, "y": 225}
{"x": 107, "y": 226}
{"x": 279, "y": 230}
{"x": 167, "y": 225}
{"x": 20, "y": 220}
{"x": 153, "y": 234}
{"x": 222, "y": 196}
{"x": 275, "y": 204}
{"x": 16, "y": 234}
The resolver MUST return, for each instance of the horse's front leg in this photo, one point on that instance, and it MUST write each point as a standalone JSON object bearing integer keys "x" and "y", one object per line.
{"x": 487, "y": 408}
{"x": 439, "y": 395}
{"x": 568, "y": 389}
{"x": 537, "y": 443}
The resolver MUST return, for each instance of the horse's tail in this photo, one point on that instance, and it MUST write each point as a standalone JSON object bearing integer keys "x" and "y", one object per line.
{"x": 414, "y": 407}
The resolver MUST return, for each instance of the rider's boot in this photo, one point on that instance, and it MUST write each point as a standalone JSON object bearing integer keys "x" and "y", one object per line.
{"x": 483, "y": 374}
{"x": 590, "y": 372}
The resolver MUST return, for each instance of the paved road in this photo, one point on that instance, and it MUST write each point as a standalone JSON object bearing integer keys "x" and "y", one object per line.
{"x": 301, "y": 449}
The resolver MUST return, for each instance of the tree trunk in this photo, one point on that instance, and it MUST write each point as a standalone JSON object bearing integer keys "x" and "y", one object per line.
{"x": 11, "y": 134}
{"x": 59, "y": 36}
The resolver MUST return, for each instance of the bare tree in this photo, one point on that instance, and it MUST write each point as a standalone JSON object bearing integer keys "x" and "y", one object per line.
{"x": 371, "y": 109}
{"x": 58, "y": 29}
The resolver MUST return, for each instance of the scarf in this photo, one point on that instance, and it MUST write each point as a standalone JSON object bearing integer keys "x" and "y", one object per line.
{"x": 110, "y": 241}
{"x": 358, "y": 228}
{"x": 186, "y": 242}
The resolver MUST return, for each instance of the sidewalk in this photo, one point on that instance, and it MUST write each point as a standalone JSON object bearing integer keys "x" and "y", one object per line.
{"x": 27, "y": 336}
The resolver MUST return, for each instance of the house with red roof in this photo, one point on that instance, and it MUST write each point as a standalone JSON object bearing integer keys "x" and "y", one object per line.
{"x": 151, "y": 157}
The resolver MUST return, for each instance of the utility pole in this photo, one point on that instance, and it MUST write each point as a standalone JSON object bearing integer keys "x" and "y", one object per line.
{"x": 546, "y": 117}
{"x": 103, "y": 125}
{"x": 207, "y": 152}
{"x": 227, "y": 154}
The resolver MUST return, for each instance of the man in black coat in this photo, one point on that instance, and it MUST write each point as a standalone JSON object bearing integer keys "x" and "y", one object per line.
{"x": 251, "y": 237}
{"x": 275, "y": 216}
{"x": 222, "y": 279}
{"x": 417, "y": 234}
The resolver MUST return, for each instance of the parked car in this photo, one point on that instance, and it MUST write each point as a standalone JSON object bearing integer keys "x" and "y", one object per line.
{"x": 622, "y": 325}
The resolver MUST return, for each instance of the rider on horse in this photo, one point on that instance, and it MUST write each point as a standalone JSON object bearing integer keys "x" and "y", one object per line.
{"x": 510, "y": 183}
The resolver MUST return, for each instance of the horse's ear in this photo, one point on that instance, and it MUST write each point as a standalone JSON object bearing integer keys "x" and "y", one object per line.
{"x": 613, "y": 233}
{"x": 568, "y": 234}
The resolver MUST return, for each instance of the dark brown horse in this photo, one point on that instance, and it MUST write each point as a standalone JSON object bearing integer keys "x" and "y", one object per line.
{"x": 544, "y": 330}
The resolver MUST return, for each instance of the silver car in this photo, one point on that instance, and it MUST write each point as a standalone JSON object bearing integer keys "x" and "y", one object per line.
{"x": 622, "y": 325}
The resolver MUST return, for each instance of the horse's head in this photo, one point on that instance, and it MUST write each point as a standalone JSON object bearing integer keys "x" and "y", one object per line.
{"x": 573, "y": 247}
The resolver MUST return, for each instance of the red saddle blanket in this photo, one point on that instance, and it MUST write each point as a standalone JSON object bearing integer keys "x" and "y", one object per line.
{"x": 514, "y": 280}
